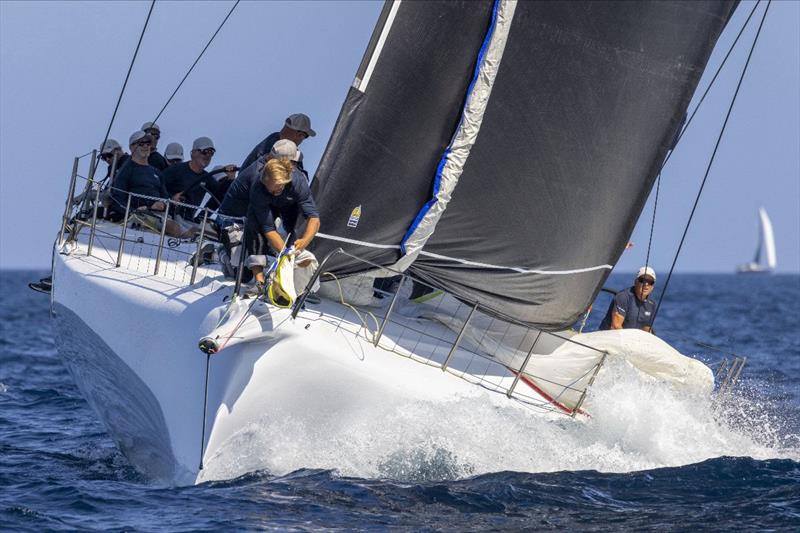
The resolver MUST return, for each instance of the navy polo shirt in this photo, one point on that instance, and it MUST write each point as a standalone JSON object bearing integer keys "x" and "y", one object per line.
{"x": 637, "y": 314}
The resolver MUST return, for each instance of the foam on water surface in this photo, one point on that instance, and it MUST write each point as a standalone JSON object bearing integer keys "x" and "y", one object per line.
{"x": 636, "y": 424}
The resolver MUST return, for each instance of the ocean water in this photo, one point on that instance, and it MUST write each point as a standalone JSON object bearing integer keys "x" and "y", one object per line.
{"x": 649, "y": 459}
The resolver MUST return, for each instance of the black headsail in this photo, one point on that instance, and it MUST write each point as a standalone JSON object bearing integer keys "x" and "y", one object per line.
{"x": 555, "y": 144}
{"x": 397, "y": 120}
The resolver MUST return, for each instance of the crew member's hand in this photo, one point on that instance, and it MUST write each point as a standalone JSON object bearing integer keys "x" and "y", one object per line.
{"x": 300, "y": 244}
{"x": 178, "y": 197}
{"x": 158, "y": 206}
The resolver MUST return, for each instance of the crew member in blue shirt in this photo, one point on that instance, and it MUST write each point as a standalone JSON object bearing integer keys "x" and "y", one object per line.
{"x": 155, "y": 159}
{"x": 139, "y": 178}
{"x": 633, "y": 308}
{"x": 279, "y": 193}
{"x": 237, "y": 197}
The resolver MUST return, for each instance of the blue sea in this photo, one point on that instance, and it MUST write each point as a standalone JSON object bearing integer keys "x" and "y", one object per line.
{"x": 653, "y": 462}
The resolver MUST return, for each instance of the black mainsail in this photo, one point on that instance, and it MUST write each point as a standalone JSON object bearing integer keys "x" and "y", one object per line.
{"x": 503, "y": 151}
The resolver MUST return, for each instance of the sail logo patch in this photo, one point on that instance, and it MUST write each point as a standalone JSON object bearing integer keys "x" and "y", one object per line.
{"x": 355, "y": 216}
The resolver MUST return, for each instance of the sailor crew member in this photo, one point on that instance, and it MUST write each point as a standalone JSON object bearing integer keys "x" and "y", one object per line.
{"x": 279, "y": 193}
{"x": 225, "y": 176}
{"x": 112, "y": 149}
{"x": 237, "y": 198}
{"x": 173, "y": 154}
{"x": 297, "y": 128}
{"x": 138, "y": 177}
{"x": 633, "y": 308}
{"x": 154, "y": 159}
{"x": 188, "y": 182}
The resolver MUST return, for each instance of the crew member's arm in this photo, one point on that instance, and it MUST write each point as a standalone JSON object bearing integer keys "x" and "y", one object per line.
{"x": 274, "y": 239}
{"x": 620, "y": 310}
{"x": 312, "y": 227}
{"x": 310, "y": 211}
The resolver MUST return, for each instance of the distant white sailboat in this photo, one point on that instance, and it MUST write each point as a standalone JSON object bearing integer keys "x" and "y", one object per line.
{"x": 766, "y": 247}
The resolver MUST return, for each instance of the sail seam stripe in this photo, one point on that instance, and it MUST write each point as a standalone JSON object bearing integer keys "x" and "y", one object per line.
{"x": 437, "y": 180}
{"x": 379, "y": 47}
{"x": 521, "y": 270}
{"x": 360, "y": 243}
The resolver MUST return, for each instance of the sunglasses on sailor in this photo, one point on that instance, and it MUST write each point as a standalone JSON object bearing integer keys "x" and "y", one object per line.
{"x": 144, "y": 143}
{"x": 208, "y": 151}
{"x": 154, "y": 133}
{"x": 106, "y": 156}
{"x": 645, "y": 281}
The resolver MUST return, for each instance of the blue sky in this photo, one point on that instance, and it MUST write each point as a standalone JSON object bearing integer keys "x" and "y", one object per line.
{"x": 62, "y": 65}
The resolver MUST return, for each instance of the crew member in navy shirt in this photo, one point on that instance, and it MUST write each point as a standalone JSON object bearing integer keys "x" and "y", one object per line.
{"x": 297, "y": 128}
{"x": 139, "y": 178}
{"x": 279, "y": 193}
{"x": 155, "y": 159}
{"x": 237, "y": 197}
{"x": 188, "y": 182}
{"x": 633, "y": 308}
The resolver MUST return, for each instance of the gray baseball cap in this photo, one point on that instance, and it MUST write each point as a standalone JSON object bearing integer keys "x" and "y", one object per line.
{"x": 300, "y": 122}
{"x": 174, "y": 151}
{"x": 109, "y": 146}
{"x": 201, "y": 143}
{"x": 138, "y": 136}
{"x": 150, "y": 126}
{"x": 284, "y": 149}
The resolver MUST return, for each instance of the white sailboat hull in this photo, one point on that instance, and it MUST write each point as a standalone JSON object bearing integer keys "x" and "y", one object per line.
{"x": 130, "y": 342}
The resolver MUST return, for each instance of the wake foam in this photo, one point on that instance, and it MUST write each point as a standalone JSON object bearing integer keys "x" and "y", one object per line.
{"x": 637, "y": 423}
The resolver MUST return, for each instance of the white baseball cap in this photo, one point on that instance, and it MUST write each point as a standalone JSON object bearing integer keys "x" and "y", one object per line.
{"x": 284, "y": 149}
{"x": 646, "y": 271}
{"x": 173, "y": 151}
{"x": 109, "y": 146}
{"x": 201, "y": 143}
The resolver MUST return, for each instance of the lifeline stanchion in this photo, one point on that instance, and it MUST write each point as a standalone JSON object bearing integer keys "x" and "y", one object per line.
{"x": 164, "y": 221}
{"x": 68, "y": 206}
{"x": 458, "y": 339}
{"x": 199, "y": 247}
{"x": 93, "y": 228}
{"x": 124, "y": 231}
{"x": 389, "y": 312}
{"x": 523, "y": 366}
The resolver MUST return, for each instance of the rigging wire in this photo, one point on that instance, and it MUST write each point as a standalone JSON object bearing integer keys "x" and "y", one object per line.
{"x": 196, "y": 60}
{"x": 710, "y": 162}
{"x": 128, "y": 75}
{"x": 689, "y": 121}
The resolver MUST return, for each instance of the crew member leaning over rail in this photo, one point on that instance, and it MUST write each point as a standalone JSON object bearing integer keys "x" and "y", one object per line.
{"x": 279, "y": 193}
{"x": 139, "y": 178}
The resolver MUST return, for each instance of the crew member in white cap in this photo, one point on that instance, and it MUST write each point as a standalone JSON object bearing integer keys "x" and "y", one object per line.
{"x": 173, "y": 154}
{"x": 155, "y": 160}
{"x": 112, "y": 149}
{"x": 297, "y": 128}
{"x": 633, "y": 308}
{"x": 237, "y": 198}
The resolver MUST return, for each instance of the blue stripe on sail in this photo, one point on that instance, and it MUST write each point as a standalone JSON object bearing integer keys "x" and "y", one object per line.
{"x": 437, "y": 180}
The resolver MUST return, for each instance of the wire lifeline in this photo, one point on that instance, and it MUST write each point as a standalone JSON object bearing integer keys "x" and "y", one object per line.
{"x": 710, "y": 163}
{"x": 196, "y": 61}
{"x": 128, "y": 75}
